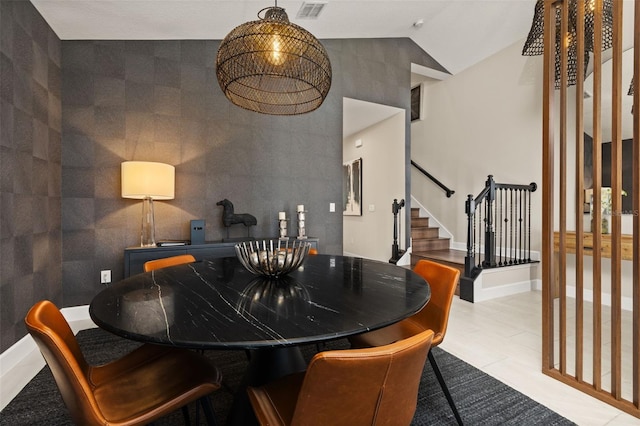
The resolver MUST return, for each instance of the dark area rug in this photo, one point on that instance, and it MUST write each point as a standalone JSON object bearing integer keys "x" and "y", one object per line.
{"x": 481, "y": 399}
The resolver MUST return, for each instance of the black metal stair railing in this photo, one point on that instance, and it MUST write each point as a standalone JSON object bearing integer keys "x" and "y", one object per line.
{"x": 498, "y": 227}
{"x": 448, "y": 191}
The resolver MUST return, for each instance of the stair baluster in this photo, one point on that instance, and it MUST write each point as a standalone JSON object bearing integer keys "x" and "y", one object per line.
{"x": 498, "y": 233}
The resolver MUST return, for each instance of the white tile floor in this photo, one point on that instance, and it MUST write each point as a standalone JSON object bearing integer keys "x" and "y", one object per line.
{"x": 503, "y": 338}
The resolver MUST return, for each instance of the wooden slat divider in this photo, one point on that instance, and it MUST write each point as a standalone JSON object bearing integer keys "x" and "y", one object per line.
{"x": 579, "y": 303}
{"x": 616, "y": 223}
{"x": 597, "y": 195}
{"x": 636, "y": 207}
{"x": 548, "y": 109}
{"x": 614, "y": 248}
{"x": 562, "y": 203}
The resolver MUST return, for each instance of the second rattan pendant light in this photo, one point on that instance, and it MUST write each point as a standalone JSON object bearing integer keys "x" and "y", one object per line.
{"x": 272, "y": 66}
{"x": 534, "y": 44}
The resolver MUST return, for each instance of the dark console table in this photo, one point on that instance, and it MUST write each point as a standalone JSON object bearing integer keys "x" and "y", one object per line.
{"x": 135, "y": 257}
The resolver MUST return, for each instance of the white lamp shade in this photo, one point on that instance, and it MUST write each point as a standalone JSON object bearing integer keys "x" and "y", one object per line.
{"x": 142, "y": 179}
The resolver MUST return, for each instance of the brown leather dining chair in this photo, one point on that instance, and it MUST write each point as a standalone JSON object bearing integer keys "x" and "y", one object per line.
{"x": 348, "y": 387}
{"x": 152, "y": 265}
{"x": 142, "y": 386}
{"x": 434, "y": 316}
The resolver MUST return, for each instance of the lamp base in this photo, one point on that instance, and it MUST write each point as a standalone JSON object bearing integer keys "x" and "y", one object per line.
{"x": 148, "y": 229}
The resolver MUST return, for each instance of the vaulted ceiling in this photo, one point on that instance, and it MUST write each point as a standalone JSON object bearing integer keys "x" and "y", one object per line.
{"x": 456, "y": 33}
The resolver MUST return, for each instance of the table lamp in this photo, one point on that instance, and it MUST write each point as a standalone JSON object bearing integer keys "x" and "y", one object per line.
{"x": 148, "y": 181}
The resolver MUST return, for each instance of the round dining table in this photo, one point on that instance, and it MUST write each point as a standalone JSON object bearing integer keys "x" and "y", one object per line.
{"x": 218, "y": 304}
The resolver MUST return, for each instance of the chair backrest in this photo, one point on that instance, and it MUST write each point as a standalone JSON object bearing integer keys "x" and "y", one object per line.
{"x": 61, "y": 351}
{"x": 372, "y": 386}
{"x": 443, "y": 280}
{"x": 181, "y": 259}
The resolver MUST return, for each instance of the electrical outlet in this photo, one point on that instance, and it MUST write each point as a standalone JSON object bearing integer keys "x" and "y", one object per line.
{"x": 105, "y": 276}
{"x": 332, "y": 207}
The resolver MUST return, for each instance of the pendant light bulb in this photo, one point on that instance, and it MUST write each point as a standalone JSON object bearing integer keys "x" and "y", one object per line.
{"x": 275, "y": 55}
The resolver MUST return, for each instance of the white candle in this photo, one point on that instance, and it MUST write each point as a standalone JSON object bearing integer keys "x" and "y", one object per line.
{"x": 300, "y": 207}
{"x": 281, "y": 216}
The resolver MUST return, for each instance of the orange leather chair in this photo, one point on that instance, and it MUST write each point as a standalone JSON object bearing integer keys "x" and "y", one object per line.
{"x": 434, "y": 316}
{"x": 348, "y": 387}
{"x": 181, "y": 259}
{"x": 144, "y": 385}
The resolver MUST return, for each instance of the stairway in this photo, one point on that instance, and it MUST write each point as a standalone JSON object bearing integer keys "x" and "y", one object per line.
{"x": 426, "y": 244}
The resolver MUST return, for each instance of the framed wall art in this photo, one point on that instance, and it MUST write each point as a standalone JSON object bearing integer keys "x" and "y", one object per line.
{"x": 417, "y": 112}
{"x": 352, "y": 188}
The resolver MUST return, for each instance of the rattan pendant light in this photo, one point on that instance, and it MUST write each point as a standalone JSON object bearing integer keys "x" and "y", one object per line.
{"x": 534, "y": 45}
{"x": 272, "y": 66}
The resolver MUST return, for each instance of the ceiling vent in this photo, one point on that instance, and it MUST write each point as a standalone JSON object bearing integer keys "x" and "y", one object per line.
{"x": 311, "y": 10}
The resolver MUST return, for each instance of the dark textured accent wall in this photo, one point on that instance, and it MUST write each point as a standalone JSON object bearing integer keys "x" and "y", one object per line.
{"x": 30, "y": 154}
{"x": 160, "y": 101}
{"x": 72, "y": 111}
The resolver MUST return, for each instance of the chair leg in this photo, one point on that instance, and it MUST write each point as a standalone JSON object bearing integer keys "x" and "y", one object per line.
{"x": 185, "y": 414}
{"x": 207, "y": 407}
{"x": 443, "y": 385}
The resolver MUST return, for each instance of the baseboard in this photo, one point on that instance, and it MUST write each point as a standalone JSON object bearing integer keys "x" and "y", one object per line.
{"x": 520, "y": 282}
{"x": 626, "y": 303}
{"x": 480, "y": 294}
{"x": 22, "y": 361}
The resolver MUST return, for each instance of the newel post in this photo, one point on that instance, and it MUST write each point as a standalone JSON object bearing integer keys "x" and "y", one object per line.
{"x": 489, "y": 231}
{"x": 470, "y": 209}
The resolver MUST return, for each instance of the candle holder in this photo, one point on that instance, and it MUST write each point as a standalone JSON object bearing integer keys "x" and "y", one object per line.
{"x": 301, "y": 219}
{"x": 283, "y": 229}
{"x": 282, "y": 225}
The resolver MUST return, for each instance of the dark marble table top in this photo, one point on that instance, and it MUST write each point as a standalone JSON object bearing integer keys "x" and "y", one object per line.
{"x": 217, "y": 304}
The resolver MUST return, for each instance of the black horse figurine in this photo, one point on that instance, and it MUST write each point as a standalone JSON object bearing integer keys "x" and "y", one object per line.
{"x": 230, "y": 218}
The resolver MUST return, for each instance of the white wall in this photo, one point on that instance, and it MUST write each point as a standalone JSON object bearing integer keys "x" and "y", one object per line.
{"x": 485, "y": 120}
{"x": 488, "y": 120}
{"x": 383, "y": 180}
